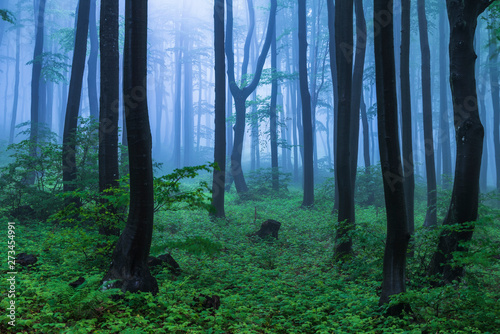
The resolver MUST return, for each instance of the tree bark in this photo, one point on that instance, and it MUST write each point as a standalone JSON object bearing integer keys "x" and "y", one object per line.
{"x": 74, "y": 96}
{"x": 240, "y": 94}
{"x": 129, "y": 266}
{"x": 92, "y": 62}
{"x": 408, "y": 171}
{"x": 344, "y": 57}
{"x": 430, "y": 167}
{"x": 495, "y": 98}
{"x": 462, "y": 212}
{"x": 308, "y": 163}
{"x": 394, "y": 268}
{"x": 220, "y": 112}
{"x": 109, "y": 100}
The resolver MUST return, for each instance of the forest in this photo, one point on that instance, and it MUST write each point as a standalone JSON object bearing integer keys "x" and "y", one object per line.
{"x": 250, "y": 166}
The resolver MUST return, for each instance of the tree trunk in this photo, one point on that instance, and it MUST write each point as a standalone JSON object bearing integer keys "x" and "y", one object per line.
{"x": 35, "y": 79}
{"x": 308, "y": 164}
{"x": 408, "y": 171}
{"x": 344, "y": 56}
{"x": 92, "y": 62}
{"x": 220, "y": 112}
{"x": 394, "y": 268}
{"x": 74, "y": 96}
{"x": 444, "y": 122}
{"x": 272, "y": 114}
{"x": 241, "y": 94}
{"x": 17, "y": 77}
{"x": 130, "y": 256}
{"x": 430, "y": 167}
{"x": 188, "y": 104}
{"x": 495, "y": 98}
{"x": 178, "y": 104}
{"x": 109, "y": 101}
{"x": 469, "y": 131}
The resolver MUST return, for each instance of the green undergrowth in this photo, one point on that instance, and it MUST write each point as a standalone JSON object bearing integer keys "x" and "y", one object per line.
{"x": 289, "y": 285}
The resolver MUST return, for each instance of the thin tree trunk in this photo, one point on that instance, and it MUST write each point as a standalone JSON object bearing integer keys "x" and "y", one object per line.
{"x": 308, "y": 165}
{"x": 272, "y": 114}
{"x": 495, "y": 98}
{"x": 220, "y": 112}
{"x": 74, "y": 96}
{"x": 17, "y": 78}
{"x": 92, "y": 62}
{"x": 188, "y": 104}
{"x": 394, "y": 268}
{"x": 430, "y": 167}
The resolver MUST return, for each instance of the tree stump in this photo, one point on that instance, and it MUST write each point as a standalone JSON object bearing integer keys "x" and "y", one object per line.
{"x": 268, "y": 228}
{"x": 26, "y": 259}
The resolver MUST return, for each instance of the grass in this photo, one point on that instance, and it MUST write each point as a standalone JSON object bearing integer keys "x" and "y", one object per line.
{"x": 291, "y": 285}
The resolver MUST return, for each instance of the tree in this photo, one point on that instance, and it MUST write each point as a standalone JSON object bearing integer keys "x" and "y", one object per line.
{"x": 109, "y": 100}
{"x": 344, "y": 57}
{"x": 35, "y": 77}
{"x": 394, "y": 268}
{"x": 129, "y": 266}
{"x": 219, "y": 177}
{"x": 444, "y": 122}
{"x": 308, "y": 163}
{"x": 430, "y": 168}
{"x": 272, "y": 113}
{"x": 240, "y": 94}
{"x": 469, "y": 134}
{"x": 92, "y": 62}
{"x": 74, "y": 96}
{"x": 495, "y": 95}
{"x": 17, "y": 79}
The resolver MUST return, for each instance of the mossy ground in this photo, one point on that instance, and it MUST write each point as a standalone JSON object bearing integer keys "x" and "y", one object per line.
{"x": 291, "y": 285}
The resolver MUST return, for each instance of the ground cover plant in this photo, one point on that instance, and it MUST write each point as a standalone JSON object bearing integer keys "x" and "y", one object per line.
{"x": 289, "y": 285}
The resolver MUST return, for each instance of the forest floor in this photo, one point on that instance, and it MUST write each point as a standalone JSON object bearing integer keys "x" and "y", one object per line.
{"x": 289, "y": 285}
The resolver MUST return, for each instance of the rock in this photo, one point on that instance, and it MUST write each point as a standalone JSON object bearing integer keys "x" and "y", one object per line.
{"x": 26, "y": 259}
{"x": 269, "y": 228}
{"x": 78, "y": 282}
{"x": 167, "y": 259}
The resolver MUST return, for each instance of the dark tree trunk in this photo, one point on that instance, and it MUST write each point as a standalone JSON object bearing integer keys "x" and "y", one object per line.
{"x": 469, "y": 131}
{"x": 241, "y": 94}
{"x": 430, "y": 167}
{"x": 308, "y": 163}
{"x": 35, "y": 79}
{"x": 408, "y": 166}
{"x": 366, "y": 135}
{"x": 394, "y": 268}
{"x": 130, "y": 256}
{"x": 74, "y": 96}
{"x": 344, "y": 46}
{"x": 272, "y": 114}
{"x": 92, "y": 62}
{"x": 357, "y": 85}
{"x": 495, "y": 98}
{"x": 16, "y": 83}
{"x": 220, "y": 112}
{"x": 109, "y": 100}
{"x": 444, "y": 122}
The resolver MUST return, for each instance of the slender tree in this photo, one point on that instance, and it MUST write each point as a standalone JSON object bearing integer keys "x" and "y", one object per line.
{"x": 308, "y": 163}
{"x": 35, "y": 77}
{"x": 394, "y": 268}
{"x": 240, "y": 94}
{"x": 220, "y": 111}
{"x": 469, "y": 134}
{"x": 444, "y": 122}
{"x": 92, "y": 62}
{"x": 109, "y": 100}
{"x": 129, "y": 266}
{"x": 17, "y": 78}
{"x": 495, "y": 96}
{"x": 272, "y": 113}
{"x": 344, "y": 57}
{"x": 430, "y": 167}
{"x": 74, "y": 96}
{"x": 409, "y": 171}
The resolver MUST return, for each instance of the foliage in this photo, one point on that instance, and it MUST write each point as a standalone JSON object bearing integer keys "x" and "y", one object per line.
{"x": 260, "y": 181}
{"x": 7, "y": 15}
{"x": 54, "y": 66}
